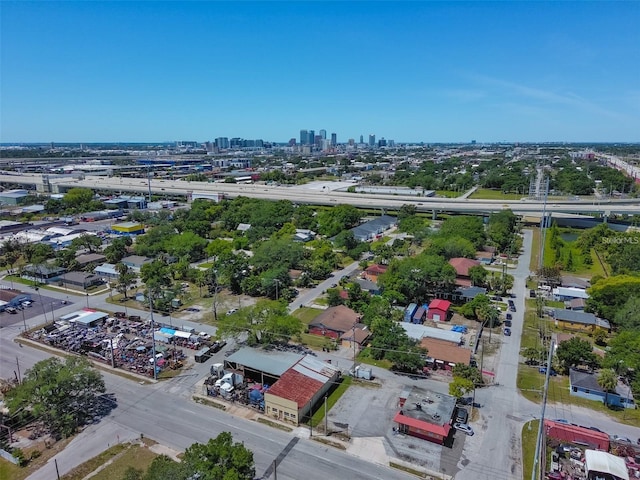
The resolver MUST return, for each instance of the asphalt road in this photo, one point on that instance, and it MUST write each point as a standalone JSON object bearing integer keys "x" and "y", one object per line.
{"x": 302, "y": 195}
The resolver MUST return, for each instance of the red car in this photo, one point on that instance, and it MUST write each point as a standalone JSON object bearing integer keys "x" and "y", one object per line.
{"x": 556, "y": 476}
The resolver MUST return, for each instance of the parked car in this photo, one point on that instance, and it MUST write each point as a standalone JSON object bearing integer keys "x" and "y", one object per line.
{"x": 512, "y": 308}
{"x": 507, "y": 332}
{"x": 232, "y": 311}
{"x": 509, "y": 316}
{"x": 463, "y": 427}
{"x": 507, "y": 323}
{"x": 496, "y": 298}
{"x": 532, "y": 294}
{"x": 11, "y": 310}
{"x": 462, "y": 415}
{"x": 553, "y": 373}
{"x": 617, "y": 438}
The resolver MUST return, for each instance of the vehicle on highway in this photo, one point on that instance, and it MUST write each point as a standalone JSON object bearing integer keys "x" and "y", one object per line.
{"x": 463, "y": 427}
{"x": 507, "y": 332}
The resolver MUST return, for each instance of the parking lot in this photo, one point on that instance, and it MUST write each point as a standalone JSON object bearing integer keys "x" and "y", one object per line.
{"x": 41, "y": 304}
{"x": 367, "y": 410}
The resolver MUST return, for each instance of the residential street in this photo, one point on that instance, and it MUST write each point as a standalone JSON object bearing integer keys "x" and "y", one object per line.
{"x": 165, "y": 412}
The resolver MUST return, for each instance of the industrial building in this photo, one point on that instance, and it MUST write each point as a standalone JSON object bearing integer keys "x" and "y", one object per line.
{"x": 294, "y": 395}
{"x": 425, "y": 414}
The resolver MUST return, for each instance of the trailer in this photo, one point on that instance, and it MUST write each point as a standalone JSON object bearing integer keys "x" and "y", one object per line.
{"x": 202, "y": 355}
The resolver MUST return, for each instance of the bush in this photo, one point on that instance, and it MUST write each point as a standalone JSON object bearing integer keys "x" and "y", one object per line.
{"x": 18, "y": 454}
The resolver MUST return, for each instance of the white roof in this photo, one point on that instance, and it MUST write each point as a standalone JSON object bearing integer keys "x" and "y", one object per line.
{"x": 570, "y": 292}
{"x": 604, "y": 462}
{"x": 60, "y": 230}
{"x": 181, "y": 334}
{"x": 69, "y": 238}
{"x": 418, "y": 332}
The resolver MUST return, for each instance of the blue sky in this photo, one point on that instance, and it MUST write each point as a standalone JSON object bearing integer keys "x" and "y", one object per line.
{"x": 414, "y": 71}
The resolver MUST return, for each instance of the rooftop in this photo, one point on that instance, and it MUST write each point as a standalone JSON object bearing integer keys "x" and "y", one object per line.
{"x": 429, "y": 407}
{"x": 446, "y": 351}
{"x": 418, "y": 332}
{"x": 273, "y": 363}
{"x": 462, "y": 265}
{"x": 339, "y": 319}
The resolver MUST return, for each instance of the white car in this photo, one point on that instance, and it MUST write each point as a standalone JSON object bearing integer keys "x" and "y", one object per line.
{"x": 463, "y": 427}
{"x": 232, "y": 311}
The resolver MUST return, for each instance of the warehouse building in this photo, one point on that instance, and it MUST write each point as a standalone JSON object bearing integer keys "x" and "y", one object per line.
{"x": 294, "y": 395}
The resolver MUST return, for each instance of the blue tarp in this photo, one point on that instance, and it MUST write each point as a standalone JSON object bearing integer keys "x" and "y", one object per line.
{"x": 167, "y": 331}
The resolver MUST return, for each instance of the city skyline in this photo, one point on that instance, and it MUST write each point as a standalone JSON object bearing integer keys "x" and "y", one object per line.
{"x": 434, "y": 72}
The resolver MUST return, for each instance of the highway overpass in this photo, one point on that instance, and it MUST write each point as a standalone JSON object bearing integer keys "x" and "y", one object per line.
{"x": 303, "y": 195}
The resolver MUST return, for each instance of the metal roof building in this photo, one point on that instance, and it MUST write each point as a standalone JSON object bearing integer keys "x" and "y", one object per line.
{"x": 418, "y": 332}
{"x": 261, "y": 365}
{"x": 293, "y": 396}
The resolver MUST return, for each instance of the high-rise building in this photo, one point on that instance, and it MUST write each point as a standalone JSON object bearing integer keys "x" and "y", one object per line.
{"x": 372, "y": 140}
{"x": 222, "y": 142}
{"x": 304, "y": 137}
{"x": 311, "y": 137}
{"x": 361, "y": 138}
{"x": 382, "y": 142}
{"x": 334, "y": 139}
{"x": 323, "y": 134}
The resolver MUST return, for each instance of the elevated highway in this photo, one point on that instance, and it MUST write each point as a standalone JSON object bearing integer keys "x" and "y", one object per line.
{"x": 303, "y": 195}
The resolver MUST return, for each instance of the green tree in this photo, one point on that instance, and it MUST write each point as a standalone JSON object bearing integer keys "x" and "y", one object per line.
{"x": 266, "y": 322}
{"x": 63, "y": 395}
{"x": 126, "y": 278}
{"x": 467, "y": 227}
{"x": 478, "y": 275}
{"x": 459, "y": 387}
{"x": 164, "y": 468}
{"x": 628, "y": 316}
{"x": 608, "y": 381}
{"x": 89, "y": 241}
{"x": 609, "y": 295}
{"x": 467, "y": 372}
{"x": 219, "y": 459}
{"x": 576, "y": 351}
{"x": 117, "y": 250}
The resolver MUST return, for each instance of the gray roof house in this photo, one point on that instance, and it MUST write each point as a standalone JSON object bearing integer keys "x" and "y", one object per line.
{"x": 580, "y": 318}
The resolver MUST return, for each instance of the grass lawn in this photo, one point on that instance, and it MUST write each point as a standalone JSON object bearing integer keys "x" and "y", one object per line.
{"x": 307, "y": 314}
{"x": 121, "y": 456}
{"x": 579, "y": 268}
{"x": 9, "y": 470}
{"x": 315, "y": 341}
{"x": 535, "y": 250}
{"x": 447, "y": 194}
{"x": 490, "y": 194}
{"x": 365, "y": 357}
{"x": 331, "y": 401}
{"x": 529, "y": 436}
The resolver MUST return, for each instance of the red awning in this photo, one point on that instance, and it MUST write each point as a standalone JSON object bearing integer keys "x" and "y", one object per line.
{"x": 442, "y": 430}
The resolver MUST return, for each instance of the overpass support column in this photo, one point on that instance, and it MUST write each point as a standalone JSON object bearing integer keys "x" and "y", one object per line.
{"x": 605, "y": 217}
{"x": 434, "y": 215}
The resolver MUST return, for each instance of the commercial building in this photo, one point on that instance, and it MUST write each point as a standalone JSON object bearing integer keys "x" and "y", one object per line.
{"x": 128, "y": 228}
{"x": 425, "y": 414}
{"x": 294, "y": 395}
{"x": 78, "y": 280}
{"x": 261, "y": 366}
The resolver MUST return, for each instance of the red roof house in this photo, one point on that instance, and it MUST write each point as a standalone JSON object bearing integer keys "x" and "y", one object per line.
{"x": 438, "y": 310}
{"x": 372, "y": 272}
{"x": 462, "y": 266}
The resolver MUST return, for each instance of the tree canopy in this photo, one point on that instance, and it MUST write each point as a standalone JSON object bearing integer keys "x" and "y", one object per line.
{"x": 574, "y": 352}
{"x": 63, "y": 395}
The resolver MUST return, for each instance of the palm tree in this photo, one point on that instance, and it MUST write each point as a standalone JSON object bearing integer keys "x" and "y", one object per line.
{"x": 608, "y": 380}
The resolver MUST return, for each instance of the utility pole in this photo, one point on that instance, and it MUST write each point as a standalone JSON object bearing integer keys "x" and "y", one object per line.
{"x": 153, "y": 338}
{"x": 18, "y": 365}
{"x": 536, "y": 459}
{"x": 326, "y": 421}
{"x": 55, "y": 461}
{"x": 275, "y": 473}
